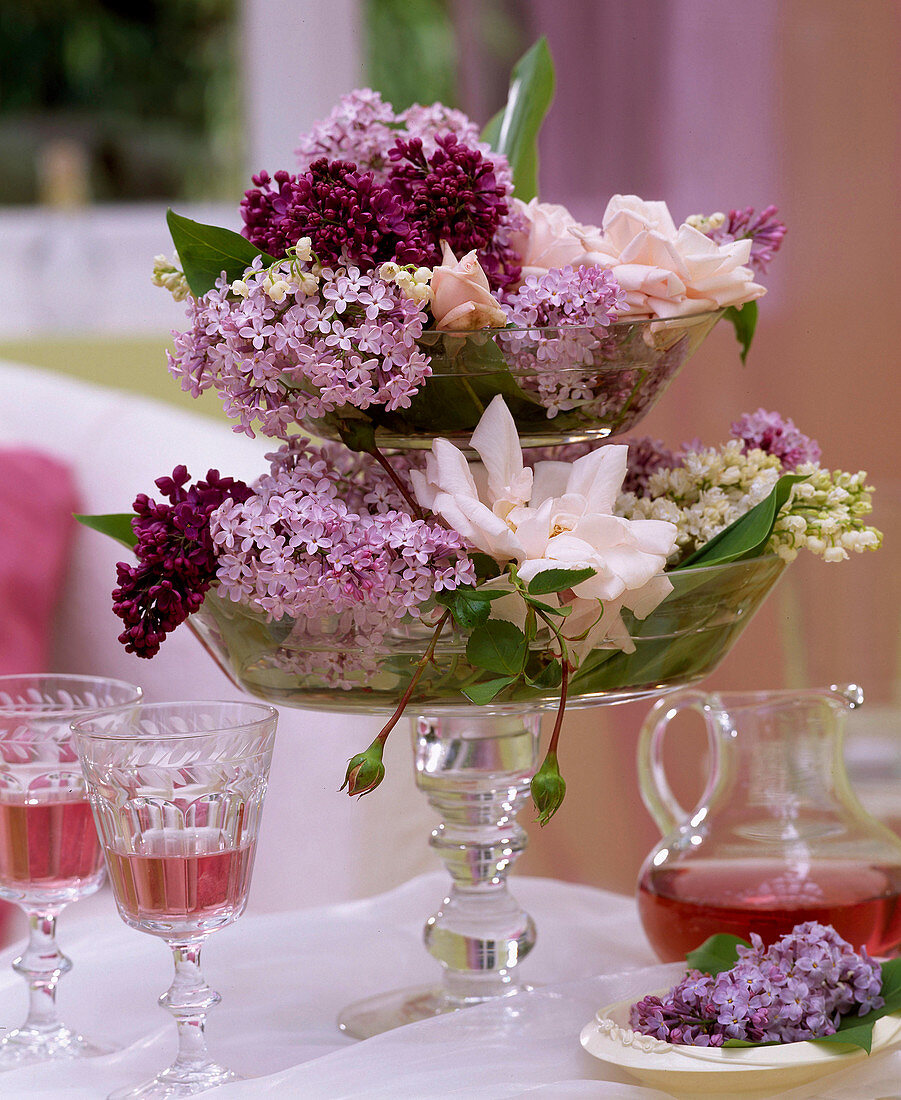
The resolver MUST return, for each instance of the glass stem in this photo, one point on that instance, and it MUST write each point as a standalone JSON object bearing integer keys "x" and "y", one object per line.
{"x": 41, "y": 964}
{"x": 188, "y": 999}
{"x": 475, "y": 770}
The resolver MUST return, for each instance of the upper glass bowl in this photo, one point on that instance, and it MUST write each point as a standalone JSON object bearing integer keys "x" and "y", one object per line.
{"x": 330, "y": 664}
{"x": 562, "y": 385}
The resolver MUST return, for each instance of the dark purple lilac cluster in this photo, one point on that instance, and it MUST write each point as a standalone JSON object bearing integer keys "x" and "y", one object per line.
{"x": 797, "y": 988}
{"x": 764, "y": 229}
{"x": 176, "y": 557}
{"x": 451, "y": 193}
{"x": 343, "y": 211}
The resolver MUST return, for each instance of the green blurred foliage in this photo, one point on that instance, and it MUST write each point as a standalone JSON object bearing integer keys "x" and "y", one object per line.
{"x": 149, "y": 91}
{"x": 411, "y": 51}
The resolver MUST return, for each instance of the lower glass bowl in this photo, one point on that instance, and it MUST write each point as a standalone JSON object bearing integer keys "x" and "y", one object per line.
{"x": 330, "y": 665}
{"x": 562, "y": 385}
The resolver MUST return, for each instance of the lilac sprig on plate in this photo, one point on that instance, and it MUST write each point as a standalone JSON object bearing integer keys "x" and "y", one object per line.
{"x": 809, "y": 985}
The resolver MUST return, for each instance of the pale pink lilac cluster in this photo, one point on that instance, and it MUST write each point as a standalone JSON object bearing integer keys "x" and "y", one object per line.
{"x": 327, "y": 534}
{"x": 797, "y": 988}
{"x": 779, "y": 437}
{"x": 292, "y": 344}
{"x": 362, "y": 128}
{"x": 765, "y": 230}
{"x": 560, "y": 321}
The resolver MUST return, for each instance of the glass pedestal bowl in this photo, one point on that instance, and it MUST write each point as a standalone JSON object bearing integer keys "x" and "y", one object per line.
{"x": 475, "y": 764}
{"x": 562, "y": 385}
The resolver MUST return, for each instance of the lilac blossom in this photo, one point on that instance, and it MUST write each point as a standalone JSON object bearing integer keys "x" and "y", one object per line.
{"x": 345, "y": 213}
{"x": 764, "y": 229}
{"x": 352, "y": 341}
{"x": 771, "y": 433}
{"x": 176, "y": 558}
{"x": 561, "y": 364}
{"x": 362, "y": 128}
{"x": 797, "y": 988}
{"x": 326, "y": 534}
{"x": 453, "y": 196}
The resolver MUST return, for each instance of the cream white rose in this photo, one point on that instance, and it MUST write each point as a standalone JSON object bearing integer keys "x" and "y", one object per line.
{"x": 550, "y": 238}
{"x": 665, "y": 271}
{"x": 558, "y": 517}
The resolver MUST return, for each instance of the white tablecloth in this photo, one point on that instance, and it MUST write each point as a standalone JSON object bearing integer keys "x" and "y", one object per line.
{"x": 285, "y": 976}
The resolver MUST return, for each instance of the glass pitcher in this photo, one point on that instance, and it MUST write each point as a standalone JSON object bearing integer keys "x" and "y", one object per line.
{"x": 778, "y": 836}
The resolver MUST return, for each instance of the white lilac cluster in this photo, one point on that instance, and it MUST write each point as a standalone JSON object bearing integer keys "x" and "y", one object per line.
{"x": 712, "y": 487}
{"x": 326, "y": 534}
{"x": 297, "y": 340}
{"x": 362, "y": 127}
{"x": 826, "y": 516}
{"x": 561, "y": 321}
{"x": 798, "y": 988}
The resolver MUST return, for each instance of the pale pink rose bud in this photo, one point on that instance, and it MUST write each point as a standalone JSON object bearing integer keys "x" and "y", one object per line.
{"x": 461, "y": 298}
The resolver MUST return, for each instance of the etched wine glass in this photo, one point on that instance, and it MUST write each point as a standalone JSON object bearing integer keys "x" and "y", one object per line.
{"x": 50, "y": 854}
{"x": 177, "y": 791}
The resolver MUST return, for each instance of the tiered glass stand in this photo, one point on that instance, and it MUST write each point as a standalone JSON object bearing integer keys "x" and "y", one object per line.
{"x": 474, "y": 764}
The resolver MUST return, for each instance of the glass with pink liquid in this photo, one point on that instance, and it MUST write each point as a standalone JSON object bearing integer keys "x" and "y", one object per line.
{"x": 50, "y": 854}
{"x": 177, "y": 790}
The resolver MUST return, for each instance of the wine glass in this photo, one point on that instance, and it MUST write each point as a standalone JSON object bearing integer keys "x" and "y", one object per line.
{"x": 177, "y": 791}
{"x": 50, "y": 854}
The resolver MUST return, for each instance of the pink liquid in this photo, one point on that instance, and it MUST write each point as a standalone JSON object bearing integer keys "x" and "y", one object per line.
{"x": 680, "y": 908}
{"x": 181, "y": 879}
{"x": 49, "y": 844}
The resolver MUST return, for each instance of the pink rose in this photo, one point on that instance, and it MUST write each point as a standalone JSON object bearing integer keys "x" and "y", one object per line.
{"x": 461, "y": 298}
{"x": 550, "y": 237}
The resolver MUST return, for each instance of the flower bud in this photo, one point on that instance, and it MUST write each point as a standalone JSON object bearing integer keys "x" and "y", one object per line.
{"x": 548, "y": 789}
{"x": 365, "y": 770}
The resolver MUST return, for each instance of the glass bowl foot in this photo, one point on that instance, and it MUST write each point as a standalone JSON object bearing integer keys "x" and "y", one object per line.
{"x": 386, "y": 1011}
{"x": 25, "y": 1045}
{"x": 179, "y": 1082}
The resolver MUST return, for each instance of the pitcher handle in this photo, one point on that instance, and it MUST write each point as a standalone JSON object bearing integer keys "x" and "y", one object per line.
{"x": 656, "y": 794}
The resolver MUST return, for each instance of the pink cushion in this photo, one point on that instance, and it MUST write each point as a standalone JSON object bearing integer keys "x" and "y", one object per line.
{"x": 37, "y": 499}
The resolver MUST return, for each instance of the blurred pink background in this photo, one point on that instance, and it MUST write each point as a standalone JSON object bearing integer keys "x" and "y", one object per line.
{"x": 713, "y": 104}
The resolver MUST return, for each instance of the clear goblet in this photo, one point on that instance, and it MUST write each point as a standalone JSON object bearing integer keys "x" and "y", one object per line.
{"x": 177, "y": 791}
{"x": 50, "y": 854}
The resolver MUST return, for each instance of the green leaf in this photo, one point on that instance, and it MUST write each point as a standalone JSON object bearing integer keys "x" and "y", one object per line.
{"x": 744, "y": 321}
{"x": 498, "y": 646}
{"x": 550, "y": 677}
{"x": 470, "y": 606}
{"x": 205, "y": 251}
{"x": 483, "y": 693}
{"x": 486, "y": 567}
{"x": 716, "y": 953}
{"x": 546, "y": 607}
{"x": 514, "y": 130}
{"x": 557, "y": 580}
{"x": 748, "y": 535}
{"x": 357, "y": 434}
{"x": 117, "y": 525}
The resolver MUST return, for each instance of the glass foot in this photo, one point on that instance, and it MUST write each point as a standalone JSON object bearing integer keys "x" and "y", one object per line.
{"x": 386, "y": 1011}
{"x": 25, "y": 1045}
{"x": 179, "y": 1082}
